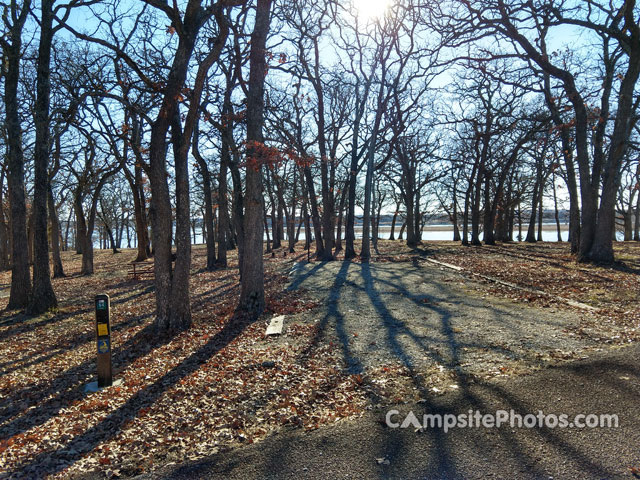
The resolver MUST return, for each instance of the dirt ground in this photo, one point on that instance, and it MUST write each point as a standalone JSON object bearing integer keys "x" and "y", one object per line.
{"x": 365, "y": 448}
{"x": 398, "y": 330}
{"x": 437, "y": 323}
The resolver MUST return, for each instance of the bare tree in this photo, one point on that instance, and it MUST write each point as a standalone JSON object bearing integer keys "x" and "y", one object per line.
{"x": 14, "y": 19}
{"x": 252, "y": 274}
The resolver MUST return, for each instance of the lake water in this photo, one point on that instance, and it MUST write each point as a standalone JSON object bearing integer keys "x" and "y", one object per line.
{"x": 445, "y": 232}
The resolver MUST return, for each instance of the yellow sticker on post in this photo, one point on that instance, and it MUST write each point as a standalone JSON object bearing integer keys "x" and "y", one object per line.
{"x": 102, "y": 329}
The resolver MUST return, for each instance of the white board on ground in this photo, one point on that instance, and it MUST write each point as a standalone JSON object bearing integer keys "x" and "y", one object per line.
{"x": 275, "y": 325}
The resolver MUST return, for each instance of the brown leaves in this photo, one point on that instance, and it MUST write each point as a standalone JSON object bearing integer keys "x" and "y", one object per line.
{"x": 182, "y": 399}
{"x": 258, "y": 154}
{"x": 551, "y": 269}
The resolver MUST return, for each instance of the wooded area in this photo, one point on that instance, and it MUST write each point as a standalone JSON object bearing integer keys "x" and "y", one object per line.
{"x": 154, "y": 123}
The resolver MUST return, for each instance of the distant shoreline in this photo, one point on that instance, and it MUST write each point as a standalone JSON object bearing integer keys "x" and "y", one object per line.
{"x": 449, "y": 228}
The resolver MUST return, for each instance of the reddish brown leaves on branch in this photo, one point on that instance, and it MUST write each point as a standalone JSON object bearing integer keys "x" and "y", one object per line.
{"x": 258, "y": 154}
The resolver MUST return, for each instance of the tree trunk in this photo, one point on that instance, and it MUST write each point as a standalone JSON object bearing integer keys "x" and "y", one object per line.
{"x": 392, "y": 235}
{"x": 465, "y": 216}
{"x": 350, "y": 235}
{"x": 602, "y": 248}
{"x": 180, "y": 303}
{"x": 266, "y": 230}
{"x": 315, "y": 216}
{"x": 307, "y": 226}
{"x": 365, "y": 250}
{"x": 58, "y": 270}
{"x": 43, "y": 297}
{"x": 540, "y": 211}
{"x": 223, "y": 206}
{"x": 139, "y": 199}
{"x": 343, "y": 198}
{"x": 4, "y": 230}
{"x": 291, "y": 217}
{"x": 161, "y": 218}
{"x": 66, "y": 231}
{"x": 475, "y": 210}
{"x": 410, "y": 220}
{"x": 628, "y": 226}
{"x": 111, "y": 238}
{"x": 274, "y": 227}
{"x": 128, "y": 233}
{"x": 299, "y": 228}
{"x": 454, "y": 217}
{"x": 84, "y": 238}
{"x": 20, "y": 280}
{"x": 238, "y": 211}
{"x": 252, "y": 282}
{"x": 208, "y": 202}
{"x": 531, "y": 231}
{"x": 636, "y": 229}
{"x": 489, "y": 212}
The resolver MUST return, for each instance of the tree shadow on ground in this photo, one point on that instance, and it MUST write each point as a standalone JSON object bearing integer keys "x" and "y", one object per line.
{"x": 62, "y": 391}
{"x": 471, "y": 394}
{"x": 506, "y": 453}
{"x": 113, "y": 423}
{"x": 19, "y": 323}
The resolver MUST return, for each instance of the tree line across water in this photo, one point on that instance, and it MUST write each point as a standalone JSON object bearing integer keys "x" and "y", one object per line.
{"x": 273, "y": 115}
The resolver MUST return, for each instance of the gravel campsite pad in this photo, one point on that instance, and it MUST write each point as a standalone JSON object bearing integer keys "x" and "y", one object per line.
{"x": 429, "y": 321}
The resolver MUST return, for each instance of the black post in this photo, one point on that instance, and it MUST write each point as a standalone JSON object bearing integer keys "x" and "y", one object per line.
{"x": 103, "y": 330}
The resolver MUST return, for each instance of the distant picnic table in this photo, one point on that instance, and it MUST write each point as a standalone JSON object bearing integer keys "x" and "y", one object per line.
{"x": 140, "y": 270}
{"x": 144, "y": 268}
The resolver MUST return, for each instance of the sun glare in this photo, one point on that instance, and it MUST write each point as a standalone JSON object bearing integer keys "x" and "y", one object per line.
{"x": 371, "y": 9}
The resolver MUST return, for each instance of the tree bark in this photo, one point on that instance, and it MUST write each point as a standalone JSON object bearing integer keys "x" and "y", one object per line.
{"x": 531, "y": 231}
{"x": 291, "y": 217}
{"x": 137, "y": 189}
{"x": 20, "y": 280}
{"x": 180, "y": 303}
{"x": 208, "y": 202}
{"x": 252, "y": 281}
{"x": 602, "y": 247}
{"x": 223, "y": 205}
{"x": 43, "y": 297}
{"x": 4, "y": 229}
{"x": 58, "y": 270}
{"x": 315, "y": 216}
{"x": 343, "y": 197}
{"x": 556, "y": 213}
{"x": 171, "y": 311}
{"x": 636, "y": 228}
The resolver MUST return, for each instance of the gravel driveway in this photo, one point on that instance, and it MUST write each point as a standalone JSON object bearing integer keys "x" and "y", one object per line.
{"x": 422, "y": 316}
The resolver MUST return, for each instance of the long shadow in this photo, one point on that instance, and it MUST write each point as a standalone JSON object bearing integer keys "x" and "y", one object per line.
{"x": 333, "y": 313}
{"x": 61, "y": 345}
{"x": 300, "y": 278}
{"x": 508, "y": 400}
{"x": 445, "y": 462}
{"x": 20, "y": 363}
{"x": 390, "y": 444}
{"x": 393, "y": 446}
{"x": 446, "y": 466}
{"x": 624, "y": 267}
{"x": 66, "y": 342}
{"x": 220, "y": 291}
{"x": 22, "y": 325}
{"x": 113, "y": 423}
{"x": 66, "y": 388}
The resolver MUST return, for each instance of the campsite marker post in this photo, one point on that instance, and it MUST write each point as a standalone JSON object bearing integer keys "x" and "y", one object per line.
{"x": 103, "y": 331}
